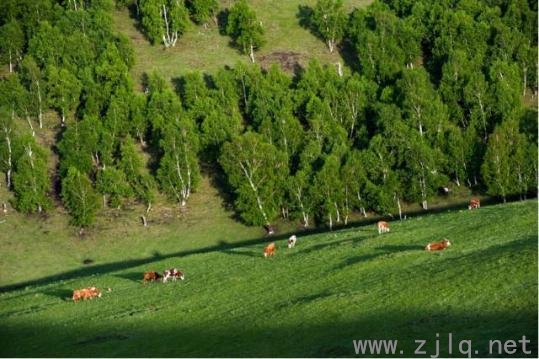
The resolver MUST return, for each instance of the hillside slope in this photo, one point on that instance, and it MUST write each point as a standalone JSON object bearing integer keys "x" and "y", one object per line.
{"x": 310, "y": 301}
{"x": 206, "y": 50}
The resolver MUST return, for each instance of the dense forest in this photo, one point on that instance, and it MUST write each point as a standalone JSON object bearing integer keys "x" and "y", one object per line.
{"x": 433, "y": 93}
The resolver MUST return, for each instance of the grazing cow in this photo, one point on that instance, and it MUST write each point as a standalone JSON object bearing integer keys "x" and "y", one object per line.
{"x": 270, "y": 230}
{"x": 438, "y": 246}
{"x": 269, "y": 250}
{"x": 172, "y": 273}
{"x": 474, "y": 203}
{"x": 292, "y": 241}
{"x": 86, "y": 293}
{"x": 151, "y": 276}
{"x": 383, "y": 227}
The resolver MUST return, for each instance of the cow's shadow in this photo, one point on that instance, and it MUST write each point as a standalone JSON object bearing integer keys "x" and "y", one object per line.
{"x": 61, "y": 293}
{"x": 131, "y": 276}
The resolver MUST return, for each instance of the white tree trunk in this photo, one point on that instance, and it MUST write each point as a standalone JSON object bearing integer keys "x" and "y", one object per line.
{"x": 255, "y": 190}
{"x": 30, "y": 124}
{"x": 361, "y": 208}
{"x": 302, "y": 207}
{"x": 399, "y": 206}
{"x": 7, "y": 133}
{"x": 10, "y": 62}
{"x": 40, "y": 111}
{"x": 170, "y": 37}
{"x": 525, "y": 80}
{"x": 252, "y": 53}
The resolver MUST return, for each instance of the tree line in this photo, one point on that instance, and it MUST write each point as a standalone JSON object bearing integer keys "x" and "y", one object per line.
{"x": 434, "y": 94}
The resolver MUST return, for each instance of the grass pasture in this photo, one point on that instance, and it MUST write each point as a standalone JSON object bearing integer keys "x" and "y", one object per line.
{"x": 310, "y": 301}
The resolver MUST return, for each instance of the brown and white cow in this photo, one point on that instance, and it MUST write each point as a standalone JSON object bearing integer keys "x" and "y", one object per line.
{"x": 151, "y": 276}
{"x": 86, "y": 293}
{"x": 383, "y": 227}
{"x": 438, "y": 246}
{"x": 474, "y": 203}
{"x": 269, "y": 250}
{"x": 172, "y": 273}
{"x": 292, "y": 241}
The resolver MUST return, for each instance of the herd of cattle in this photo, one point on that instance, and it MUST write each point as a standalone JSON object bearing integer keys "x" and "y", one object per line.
{"x": 269, "y": 250}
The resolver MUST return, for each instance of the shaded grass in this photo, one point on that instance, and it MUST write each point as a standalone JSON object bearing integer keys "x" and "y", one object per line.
{"x": 309, "y": 301}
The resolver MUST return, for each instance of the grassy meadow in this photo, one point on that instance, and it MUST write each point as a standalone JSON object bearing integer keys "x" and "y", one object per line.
{"x": 309, "y": 301}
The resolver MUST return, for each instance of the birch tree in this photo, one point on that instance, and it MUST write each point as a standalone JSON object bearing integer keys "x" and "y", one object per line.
{"x": 80, "y": 198}
{"x": 300, "y": 191}
{"x": 245, "y": 29}
{"x": 31, "y": 182}
{"x": 164, "y": 20}
{"x": 132, "y": 164}
{"x": 33, "y": 78}
{"x": 354, "y": 177}
{"x": 330, "y": 190}
{"x": 507, "y": 169}
{"x": 113, "y": 186}
{"x": 6, "y": 144}
{"x": 202, "y": 10}
{"x": 256, "y": 171}
{"x": 329, "y": 18}
{"x": 63, "y": 90}
{"x": 179, "y": 173}
{"x": 11, "y": 43}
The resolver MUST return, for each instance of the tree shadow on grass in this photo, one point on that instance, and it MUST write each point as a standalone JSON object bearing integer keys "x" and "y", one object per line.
{"x": 380, "y": 252}
{"x": 242, "y": 252}
{"x": 304, "y": 16}
{"x": 320, "y": 338}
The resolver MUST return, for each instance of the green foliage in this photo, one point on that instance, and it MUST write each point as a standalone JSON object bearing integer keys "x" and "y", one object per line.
{"x": 63, "y": 90}
{"x": 31, "y": 182}
{"x": 244, "y": 28}
{"x": 164, "y": 20}
{"x": 179, "y": 173}
{"x": 11, "y": 43}
{"x": 256, "y": 169}
{"x": 131, "y": 163}
{"x": 112, "y": 183}
{"x": 509, "y": 168}
{"x": 78, "y": 147}
{"x": 79, "y": 197}
{"x": 202, "y": 10}
{"x": 329, "y": 18}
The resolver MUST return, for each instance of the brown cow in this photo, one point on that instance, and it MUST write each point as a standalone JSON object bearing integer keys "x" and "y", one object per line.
{"x": 269, "y": 250}
{"x": 151, "y": 276}
{"x": 438, "y": 246}
{"x": 86, "y": 293}
{"x": 474, "y": 203}
{"x": 383, "y": 227}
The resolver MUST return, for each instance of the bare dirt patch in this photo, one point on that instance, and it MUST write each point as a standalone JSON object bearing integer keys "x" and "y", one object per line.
{"x": 288, "y": 60}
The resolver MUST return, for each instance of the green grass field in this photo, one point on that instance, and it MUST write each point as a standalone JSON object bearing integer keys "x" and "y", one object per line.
{"x": 309, "y": 301}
